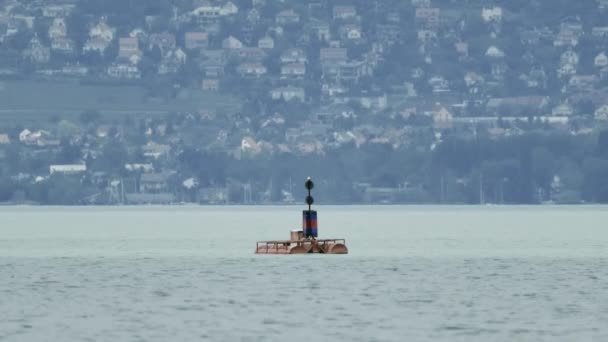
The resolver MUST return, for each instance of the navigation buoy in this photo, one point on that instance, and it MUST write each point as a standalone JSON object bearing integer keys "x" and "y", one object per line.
{"x": 304, "y": 241}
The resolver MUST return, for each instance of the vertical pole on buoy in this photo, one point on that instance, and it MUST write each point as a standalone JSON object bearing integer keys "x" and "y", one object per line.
{"x": 309, "y": 200}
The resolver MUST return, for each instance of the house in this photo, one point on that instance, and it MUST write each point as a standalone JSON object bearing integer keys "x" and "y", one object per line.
{"x": 600, "y": 32}
{"x": 530, "y": 37}
{"x": 155, "y": 182}
{"x": 231, "y": 43}
{"x": 124, "y": 71}
{"x": 164, "y": 41}
{"x": 344, "y": 12}
{"x": 388, "y": 34}
{"x": 439, "y": 85}
{"x": 492, "y": 14}
{"x": 566, "y": 37}
{"x": 251, "y": 54}
{"x": 100, "y": 37}
{"x": 563, "y": 109}
{"x": 128, "y": 50}
{"x": 63, "y": 45}
{"x": 57, "y": 11}
{"x": 601, "y": 60}
{"x": 442, "y": 118}
{"x": 368, "y": 100}
{"x": 499, "y": 69}
{"x": 36, "y": 52}
{"x": 211, "y": 84}
{"x": 69, "y": 169}
{"x": 172, "y": 61}
{"x": 38, "y": 138}
{"x": 352, "y": 71}
{"x": 156, "y": 151}
{"x": 583, "y": 83}
{"x": 266, "y": 43}
{"x": 58, "y": 29}
{"x": 4, "y": 139}
{"x": 207, "y": 12}
{"x": 566, "y": 70}
{"x": 229, "y": 8}
{"x": 251, "y": 69}
{"x": 138, "y": 167}
{"x": 462, "y": 49}
{"x": 196, "y": 40}
{"x": 602, "y": 113}
{"x": 427, "y": 18}
{"x": 286, "y": 17}
{"x": 350, "y": 32}
{"x": 288, "y": 93}
{"x": 248, "y": 144}
{"x": 293, "y": 70}
{"x": 494, "y": 52}
{"x": 333, "y": 55}
{"x": 294, "y": 56}
{"x": 320, "y": 29}
{"x": 537, "y": 78}
{"x": 569, "y": 57}
{"x": 96, "y": 45}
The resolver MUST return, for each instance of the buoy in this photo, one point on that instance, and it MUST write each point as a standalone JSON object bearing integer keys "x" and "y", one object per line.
{"x": 304, "y": 241}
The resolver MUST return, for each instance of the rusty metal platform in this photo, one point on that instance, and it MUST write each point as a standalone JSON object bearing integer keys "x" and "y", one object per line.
{"x": 304, "y": 246}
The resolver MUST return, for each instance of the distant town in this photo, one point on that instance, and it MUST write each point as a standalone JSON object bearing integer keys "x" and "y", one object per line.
{"x": 236, "y": 102}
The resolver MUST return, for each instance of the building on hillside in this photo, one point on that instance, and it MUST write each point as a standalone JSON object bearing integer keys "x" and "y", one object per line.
{"x": 427, "y": 18}
{"x": 231, "y": 43}
{"x": 196, "y": 40}
{"x": 128, "y": 50}
{"x": 251, "y": 69}
{"x": 67, "y": 169}
{"x": 293, "y": 70}
{"x": 36, "y": 52}
{"x": 288, "y": 94}
{"x": 344, "y": 12}
{"x": 123, "y": 71}
{"x": 164, "y": 41}
{"x": 266, "y": 43}
{"x": 287, "y": 17}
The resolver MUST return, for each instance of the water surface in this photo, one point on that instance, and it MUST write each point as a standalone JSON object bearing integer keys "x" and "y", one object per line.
{"x": 413, "y": 273}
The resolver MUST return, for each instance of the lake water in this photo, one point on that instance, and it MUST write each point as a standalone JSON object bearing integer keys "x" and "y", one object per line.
{"x": 413, "y": 274}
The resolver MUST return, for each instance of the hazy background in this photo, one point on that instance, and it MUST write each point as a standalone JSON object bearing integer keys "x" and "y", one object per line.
{"x": 236, "y": 102}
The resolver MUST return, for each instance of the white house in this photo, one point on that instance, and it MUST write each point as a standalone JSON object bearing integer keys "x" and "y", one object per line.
{"x": 231, "y": 43}
{"x": 266, "y": 42}
{"x": 495, "y": 52}
{"x": 601, "y": 60}
{"x": 602, "y": 113}
{"x": 492, "y": 14}
{"x": 563, "y": 109}
{"x": 288, "y": 94}
{"x": 67, "y": 169}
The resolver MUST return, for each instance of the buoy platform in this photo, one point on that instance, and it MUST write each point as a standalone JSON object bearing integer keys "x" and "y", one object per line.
{"x": 325, "y": 246}
{"x": 304, "y": 241}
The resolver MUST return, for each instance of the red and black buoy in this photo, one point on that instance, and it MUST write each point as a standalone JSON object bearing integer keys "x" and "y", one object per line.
{"x": 304, "y": 241}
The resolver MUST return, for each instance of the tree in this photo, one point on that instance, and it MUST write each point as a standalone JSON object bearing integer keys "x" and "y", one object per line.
{"x": 89, "y": 116}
